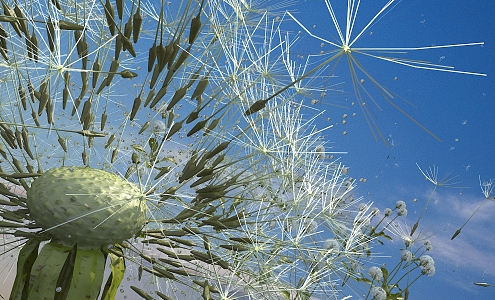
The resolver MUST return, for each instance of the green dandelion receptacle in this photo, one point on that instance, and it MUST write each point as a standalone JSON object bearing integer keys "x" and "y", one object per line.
{"x": 90, "y": 207}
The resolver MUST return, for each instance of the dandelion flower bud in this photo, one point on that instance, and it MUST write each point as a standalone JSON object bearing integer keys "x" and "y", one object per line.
{"x": 378, "y": 293}
{"x": 375, "y": 273}
{"x": 400, "y": 204}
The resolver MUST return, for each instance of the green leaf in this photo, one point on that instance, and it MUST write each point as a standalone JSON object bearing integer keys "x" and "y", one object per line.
{"x": 117, "y": 264}
{"x": 65, "y": 277}
{"x": 25, "y": 261}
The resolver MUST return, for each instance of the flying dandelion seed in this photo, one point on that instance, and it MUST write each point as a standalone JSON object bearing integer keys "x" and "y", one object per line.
{"x": 345, "y": 47}
{"x": 168, "y": 150}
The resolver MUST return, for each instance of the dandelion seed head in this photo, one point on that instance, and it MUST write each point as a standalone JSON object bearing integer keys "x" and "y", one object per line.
{"x": 400, "y": 204}
{"x": 406, "y": 255}
{"x": 378, "y": 293}
{"x": 387, "y": 212}
{"x": 375, "y": 273}
{"x": 331, "y": 245}
{"x": 402, "y": 212}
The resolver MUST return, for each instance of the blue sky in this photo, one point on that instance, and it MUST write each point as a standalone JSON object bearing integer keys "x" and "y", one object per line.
{"x": 457, "y": 108}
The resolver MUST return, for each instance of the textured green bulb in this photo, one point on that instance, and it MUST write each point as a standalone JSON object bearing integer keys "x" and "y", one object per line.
{"x": 86, "y": 206}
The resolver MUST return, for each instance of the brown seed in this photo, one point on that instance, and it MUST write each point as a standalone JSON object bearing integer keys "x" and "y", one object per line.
{"x": 22, "y": 96}
{"x": 50, "y": 31}
{"x": 96, "y": 72}
{"x": 195, "y": 27}
{"x": 138, "y": 21}
{"x": 178, "y": 95}
{"x": 23, "y": 25}
{"x": 34, "y": 45}
{"x": 120, "y": 8}
{"x": 152, "y": 57}
{"x": 103, "y": 120}
{"x": 110, "y": 15}
{"x": 135, "y": 107}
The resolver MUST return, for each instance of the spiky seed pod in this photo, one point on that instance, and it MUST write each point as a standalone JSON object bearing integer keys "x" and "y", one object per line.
{"x": 86, "y": 206}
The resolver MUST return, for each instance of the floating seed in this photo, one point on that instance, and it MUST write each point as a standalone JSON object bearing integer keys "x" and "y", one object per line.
{"x": 66, "y": 25}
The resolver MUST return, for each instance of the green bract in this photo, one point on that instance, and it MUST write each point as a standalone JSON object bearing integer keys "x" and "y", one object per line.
{"x": 86, "y": 206}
